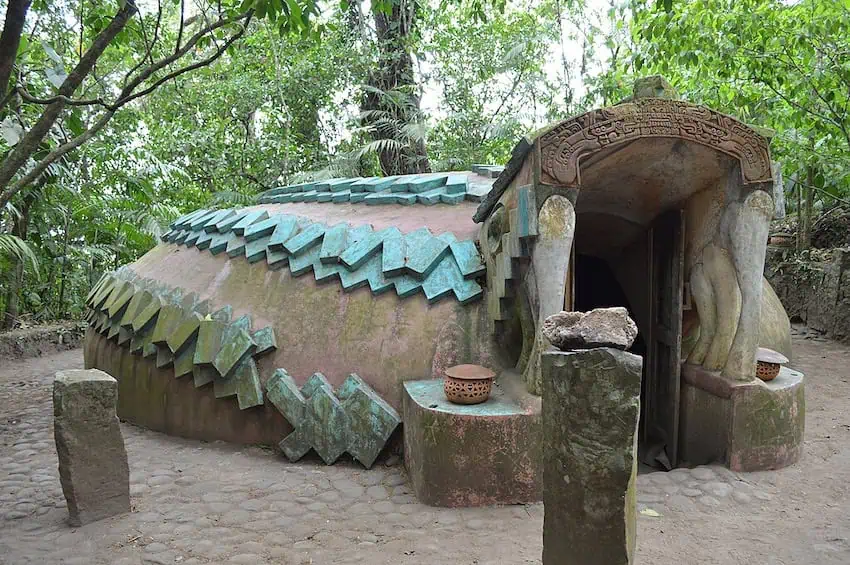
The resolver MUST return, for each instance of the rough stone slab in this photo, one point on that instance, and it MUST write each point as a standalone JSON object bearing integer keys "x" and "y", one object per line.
{"x": 255, "y": 251}
{"x": 93, "y": 467}
{"x": 203, "y": 375}
{"x": 226, "y": 224}
{"x": 305, "y": 262}
{"x": 393, "y": 256}
{"x": 282, "y": 391}
{"x": 209, "y": 341}
{"x": 248, "y": 220}
{"x": 204, "y": 241}
{"x": 235, "y": 247}
{"x": 430, "y": 197}
{"x": 456, "y": 184}
{"x": 380, "y": 184}
{"x": 326, "y": 424}
{"x": 306, "y": 239}
{"x": 379, "y": 198}
{"x": 340, "y": 197}
{"x": 452, "y": 198}
{"x": 371, "y": 421}
{"x": 185, "y": 333}
{"x": 405, "y": 198}
{"x": 245, "y": 385}
{"x": 526, "y": 212}
{"x": 116, "y": 293}
{"x": 468, "y": 259}
{"x": 286, "y": 228}
{"x": 184, "y": 360}
{"x": 236, "y": 347}
{"x": 164, "y": 357}
{"x": 169, "y": 317}
{"x": 265, "y": 340}
{"x": 220, "y": 242}
{"x": 212, "y": 223}
{"x": 147, "y": 316}
{"x": 361, "y": 251}
{"x": 591, "y": 405}
{"x": 601, "y": 327}
{"x": 183, "y": 221}
{"x": 140, "y": 300}
{"x": 423, "y": 259}
{"x": 334, "y": 243}
{"x": 446, "y": 279}
{"x": 198, "y": 222}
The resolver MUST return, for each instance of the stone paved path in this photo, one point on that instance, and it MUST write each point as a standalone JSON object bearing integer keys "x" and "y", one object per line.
{"x": 196, "y": 502}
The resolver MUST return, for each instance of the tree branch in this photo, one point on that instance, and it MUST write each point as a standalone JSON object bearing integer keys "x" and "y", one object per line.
{"x": 28, "y": 143}
{"x": 69, "y": 101}
{"x": 53, "y": 156}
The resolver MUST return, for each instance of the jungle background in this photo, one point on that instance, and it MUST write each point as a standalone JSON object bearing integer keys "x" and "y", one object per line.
{"x": 117, "y": 115}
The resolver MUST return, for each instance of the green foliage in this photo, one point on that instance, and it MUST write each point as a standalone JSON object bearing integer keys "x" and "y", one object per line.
{"x": 781, "y": 65}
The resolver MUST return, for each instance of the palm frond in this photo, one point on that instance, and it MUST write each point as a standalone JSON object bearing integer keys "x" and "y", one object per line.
{"x": 18, "y": 248}
{"x": 380, "y": 145}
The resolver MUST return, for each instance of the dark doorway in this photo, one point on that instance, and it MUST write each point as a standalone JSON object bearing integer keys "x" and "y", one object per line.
{"x": 596, "y": 286}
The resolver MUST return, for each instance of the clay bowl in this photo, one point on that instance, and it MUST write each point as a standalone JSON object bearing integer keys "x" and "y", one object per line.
{"x": 468, "y": 384}
{"x": 768, "y": 363}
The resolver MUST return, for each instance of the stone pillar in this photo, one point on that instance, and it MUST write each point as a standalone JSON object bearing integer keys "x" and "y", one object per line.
{"x": 92, "y": 460}
{"x": 591, "y": 404}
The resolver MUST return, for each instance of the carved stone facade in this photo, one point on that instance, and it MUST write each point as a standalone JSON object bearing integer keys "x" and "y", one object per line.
{"x": 566, "y": 144}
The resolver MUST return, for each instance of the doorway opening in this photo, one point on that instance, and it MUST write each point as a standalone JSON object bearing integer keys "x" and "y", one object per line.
{"x": 640, "y": 268}
{"x": 596, "y": 286}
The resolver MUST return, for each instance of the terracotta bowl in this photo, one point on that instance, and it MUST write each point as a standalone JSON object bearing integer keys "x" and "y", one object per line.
{"x": 768, "y": 363}
{"x": 468, "y": 384}
{"x": 767, "y": 371}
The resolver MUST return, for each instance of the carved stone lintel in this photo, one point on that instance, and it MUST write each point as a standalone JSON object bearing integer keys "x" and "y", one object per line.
{"x": 564, "y": 145}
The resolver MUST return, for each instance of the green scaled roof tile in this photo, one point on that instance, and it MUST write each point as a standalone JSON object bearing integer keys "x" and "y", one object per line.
{"x": 249, "y": 219}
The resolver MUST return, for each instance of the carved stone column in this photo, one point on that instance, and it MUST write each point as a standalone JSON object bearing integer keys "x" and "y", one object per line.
{"x": 591, "y": 404}
{"x": 550, "y": 260}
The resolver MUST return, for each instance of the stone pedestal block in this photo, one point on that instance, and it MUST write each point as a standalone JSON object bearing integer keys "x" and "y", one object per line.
{"x": 591, "y": 405}
{"x": 750, "y": 426}
{"x": 92, "y": 459}
{"x": 472, "y": 455}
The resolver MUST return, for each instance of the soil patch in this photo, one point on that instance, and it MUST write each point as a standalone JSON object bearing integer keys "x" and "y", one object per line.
{"x": 36, "y": 341}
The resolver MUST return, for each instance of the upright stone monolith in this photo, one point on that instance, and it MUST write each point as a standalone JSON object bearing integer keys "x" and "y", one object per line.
{"x": 92, "y": 460}
{"x": 591, "y": 404}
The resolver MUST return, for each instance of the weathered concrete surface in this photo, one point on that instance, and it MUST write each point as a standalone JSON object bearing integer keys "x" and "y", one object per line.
{"x": 93, "y": 466}
{"x": 320, "y": 328}
{"x": 601, "y": 327}
{"x": 472, "y": 455}
{"x": 752, "y": 426}
{"x": 591, "y": 406}
{"x": 151, "y": 397}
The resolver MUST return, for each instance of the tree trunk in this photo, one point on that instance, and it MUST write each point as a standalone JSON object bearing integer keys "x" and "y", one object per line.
{"x": 60, "y": 311}
{"x": 395, "y": 72}
{"x": 20, "y": 227}
{"x": 16, "y": 15}
{"x": 805, "y": 204}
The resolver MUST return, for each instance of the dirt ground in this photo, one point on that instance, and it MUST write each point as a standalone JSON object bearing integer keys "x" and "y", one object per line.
{"x": 210, "y": 503}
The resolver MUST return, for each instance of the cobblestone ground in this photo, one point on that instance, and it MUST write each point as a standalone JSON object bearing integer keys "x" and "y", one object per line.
{"x": 196, "y": 502}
